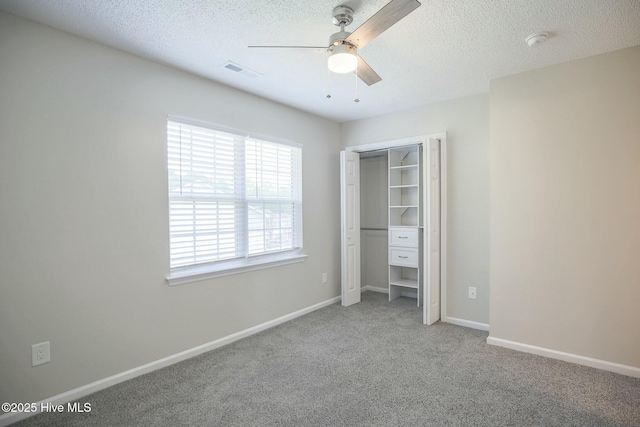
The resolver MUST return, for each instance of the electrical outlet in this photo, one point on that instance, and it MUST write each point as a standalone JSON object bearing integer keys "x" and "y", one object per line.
{"x": 324, "y": 277}
{"x": 40, "y": 353}
{"x": 472, "y": 293}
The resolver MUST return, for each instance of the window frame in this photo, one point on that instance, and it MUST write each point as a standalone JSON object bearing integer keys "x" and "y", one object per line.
{"x": 249, "y": 262}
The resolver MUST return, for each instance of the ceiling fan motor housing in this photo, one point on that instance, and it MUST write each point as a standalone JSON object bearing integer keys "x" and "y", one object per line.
{"x": 338, "y": 38}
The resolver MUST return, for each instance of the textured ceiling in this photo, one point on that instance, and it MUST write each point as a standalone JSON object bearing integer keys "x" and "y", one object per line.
{"x": 443, "y": 50}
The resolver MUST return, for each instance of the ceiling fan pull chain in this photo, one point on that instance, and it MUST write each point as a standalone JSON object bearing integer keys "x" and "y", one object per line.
{"x": 328, "y": 83}
{"x": 356, "y": 73}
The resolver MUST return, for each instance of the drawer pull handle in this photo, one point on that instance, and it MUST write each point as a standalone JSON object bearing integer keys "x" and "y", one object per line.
{"x": 403, "y": 237}
{"x": 402, "y": 256}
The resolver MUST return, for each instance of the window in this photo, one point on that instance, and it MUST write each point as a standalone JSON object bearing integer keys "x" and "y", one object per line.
{"x": 234, "y": 201}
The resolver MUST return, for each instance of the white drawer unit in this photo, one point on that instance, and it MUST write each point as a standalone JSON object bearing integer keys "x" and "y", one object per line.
{"x": 405, "y": 237}
{"x": 403, "y": 257}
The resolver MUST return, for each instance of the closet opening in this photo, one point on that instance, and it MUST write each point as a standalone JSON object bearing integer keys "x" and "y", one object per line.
{"x": 392, "y": 204}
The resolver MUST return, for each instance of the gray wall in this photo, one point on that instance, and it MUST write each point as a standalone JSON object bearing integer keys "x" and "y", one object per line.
{"x": 565, "y": 207}
{"x": 466, "y": 121}
{"x": 83, "y": 213}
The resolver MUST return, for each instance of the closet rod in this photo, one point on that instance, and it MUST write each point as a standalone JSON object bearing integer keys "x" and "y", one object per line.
{"x": 373, "y": 229}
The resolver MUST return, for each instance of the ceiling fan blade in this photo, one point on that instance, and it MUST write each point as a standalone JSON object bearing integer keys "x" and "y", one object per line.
{"x": 366, "y": 73}
{"x": 393, "y": 12}
{"x": 291, "y": 47}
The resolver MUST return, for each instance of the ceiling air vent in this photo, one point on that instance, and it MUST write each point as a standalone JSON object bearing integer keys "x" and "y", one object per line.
{"x": 241, "y": 70}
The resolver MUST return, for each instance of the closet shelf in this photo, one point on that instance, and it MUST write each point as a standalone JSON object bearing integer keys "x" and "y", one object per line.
{"x": 406, "y": 283}
{"x": 404, "y": 186}
{"x": 403, "y": 167}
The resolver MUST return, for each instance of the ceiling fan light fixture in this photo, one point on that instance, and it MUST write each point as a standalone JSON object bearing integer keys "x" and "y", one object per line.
{"x": 343, "y": 59}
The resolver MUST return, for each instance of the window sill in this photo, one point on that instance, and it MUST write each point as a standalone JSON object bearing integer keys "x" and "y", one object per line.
{"x": 194, "y": 274}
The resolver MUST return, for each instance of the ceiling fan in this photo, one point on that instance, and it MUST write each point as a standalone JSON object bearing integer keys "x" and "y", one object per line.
{"x": 343, "y": 46}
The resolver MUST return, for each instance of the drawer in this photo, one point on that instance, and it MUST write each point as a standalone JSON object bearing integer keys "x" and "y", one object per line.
{"x": 403, "y": 257}
{"x": 407, "y": 237}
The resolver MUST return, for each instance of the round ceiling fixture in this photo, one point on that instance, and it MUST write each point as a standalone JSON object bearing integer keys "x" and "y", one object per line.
{"x": 343, "y": 58}
{"x": 536, "y": 38}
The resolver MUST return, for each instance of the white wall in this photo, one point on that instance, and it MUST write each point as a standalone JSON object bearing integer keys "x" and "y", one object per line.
{"x": 83, "y": 212}
{"x": 466, "y": 121}
{"x": 565, "y": 207}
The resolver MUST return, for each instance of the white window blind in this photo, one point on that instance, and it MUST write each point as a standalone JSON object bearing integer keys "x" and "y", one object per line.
{"x": 230, "y": 197}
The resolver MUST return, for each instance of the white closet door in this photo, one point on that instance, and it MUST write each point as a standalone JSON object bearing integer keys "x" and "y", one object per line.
{"x": 350, "y": 226}
{"x": 431, "y": 307}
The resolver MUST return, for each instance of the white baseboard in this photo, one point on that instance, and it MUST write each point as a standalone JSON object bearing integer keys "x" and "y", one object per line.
{"x": 77, "y": 393}
{"x": 466, "y": 323}
{"x": 374, "y": 289}
{"x": 618, "y": 368}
